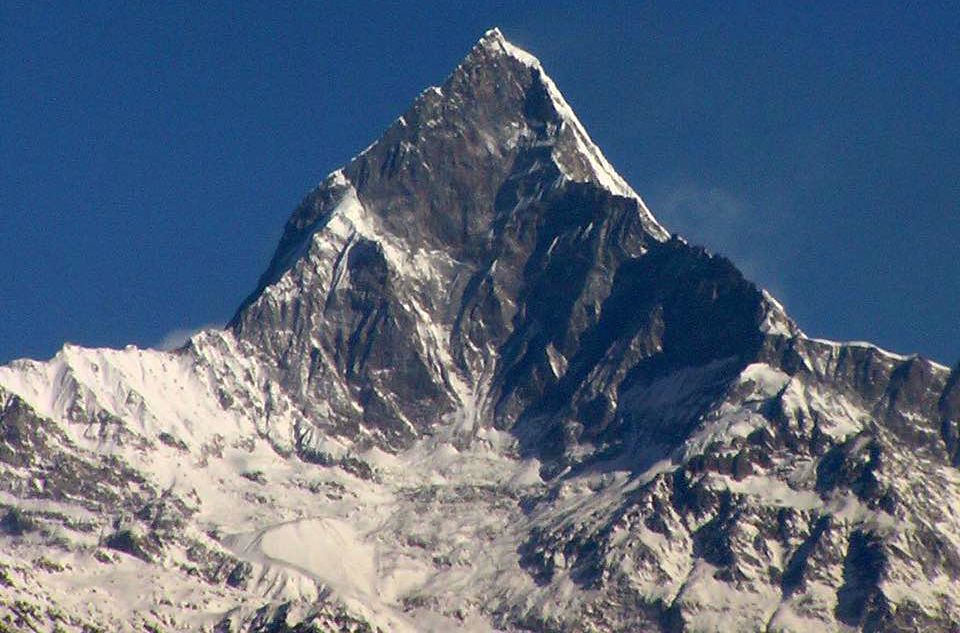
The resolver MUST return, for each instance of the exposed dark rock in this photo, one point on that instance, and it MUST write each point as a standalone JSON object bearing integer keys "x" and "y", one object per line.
{"x": 16, "y": 523}
{"x": 131, "y": 542}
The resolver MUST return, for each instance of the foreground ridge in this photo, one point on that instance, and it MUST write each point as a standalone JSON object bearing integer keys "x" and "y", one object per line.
{"x": 479, "y": 388}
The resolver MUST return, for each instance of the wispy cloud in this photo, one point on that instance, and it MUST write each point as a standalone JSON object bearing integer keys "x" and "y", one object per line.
{"x": 178, "y": 337}
{"x": 728, "y": 224}
{"x": 709, "y": 211}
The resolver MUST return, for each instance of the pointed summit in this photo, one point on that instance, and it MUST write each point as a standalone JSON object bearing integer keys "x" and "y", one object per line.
{"x": 514, "y": 98}
{"x": 409, "y": 270}
{"x": 583, "y": 160}
{"x": 441, "y": 167}
{"x": 492, "y": 37}
{"x": 493, "y": 42}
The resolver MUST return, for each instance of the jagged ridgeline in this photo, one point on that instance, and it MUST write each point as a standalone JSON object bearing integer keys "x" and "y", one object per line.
{"x": 481, "y": 388}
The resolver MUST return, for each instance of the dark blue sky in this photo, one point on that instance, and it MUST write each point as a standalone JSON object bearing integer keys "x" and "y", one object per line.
{"x": 151, "y": 155}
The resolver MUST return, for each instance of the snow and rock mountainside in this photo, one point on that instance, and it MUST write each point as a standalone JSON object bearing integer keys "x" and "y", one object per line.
{"x": 480, "y": 388}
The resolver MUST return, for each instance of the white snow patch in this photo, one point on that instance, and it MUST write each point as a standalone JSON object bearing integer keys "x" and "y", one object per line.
{"x": 768, "y": 380}
{"x": 558, "y": 362}
{"x": 327, "y": 549}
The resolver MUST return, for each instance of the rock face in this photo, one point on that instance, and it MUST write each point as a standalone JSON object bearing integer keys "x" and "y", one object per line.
{"x": 419, "y": 280}
{"x": 480, "y": 388}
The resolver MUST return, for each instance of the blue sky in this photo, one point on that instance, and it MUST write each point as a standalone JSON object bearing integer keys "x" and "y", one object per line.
{"x": 151, "y": 154}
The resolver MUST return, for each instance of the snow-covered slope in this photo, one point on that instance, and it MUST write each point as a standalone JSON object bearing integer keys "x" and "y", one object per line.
{"x": 480, "y": 388}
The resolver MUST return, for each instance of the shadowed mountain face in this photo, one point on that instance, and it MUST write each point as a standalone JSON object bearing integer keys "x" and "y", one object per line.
{"x": 480, "y": 388}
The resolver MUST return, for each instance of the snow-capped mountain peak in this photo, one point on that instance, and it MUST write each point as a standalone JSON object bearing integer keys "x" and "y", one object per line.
{"x": 480, "y": 388}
